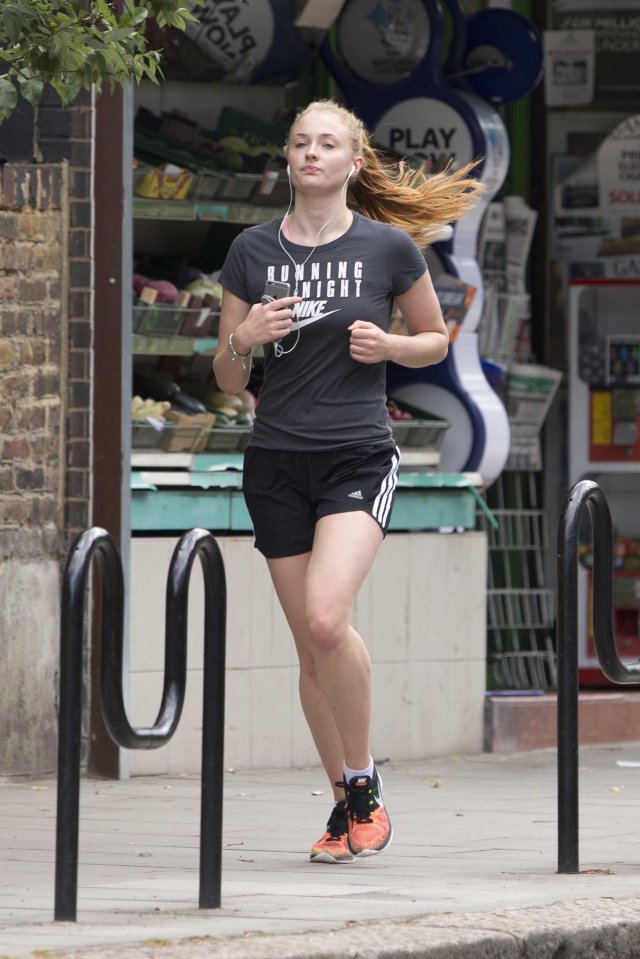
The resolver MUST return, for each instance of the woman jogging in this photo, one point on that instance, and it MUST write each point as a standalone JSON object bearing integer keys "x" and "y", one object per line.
{"x": 321, "y": 468}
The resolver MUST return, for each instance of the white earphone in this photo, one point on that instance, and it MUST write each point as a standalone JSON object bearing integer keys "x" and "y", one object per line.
{"x": 352, "y": 170}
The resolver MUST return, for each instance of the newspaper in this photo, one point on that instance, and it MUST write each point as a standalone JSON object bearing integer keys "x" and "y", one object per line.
{"x": 520, "y": 221}
{"x": 503, "y": 251}
{"x": 529, "y": 394}
{"x": 514, "y": 328}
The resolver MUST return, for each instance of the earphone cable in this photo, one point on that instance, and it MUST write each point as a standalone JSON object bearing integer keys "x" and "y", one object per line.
{"x": 277, "y": 346}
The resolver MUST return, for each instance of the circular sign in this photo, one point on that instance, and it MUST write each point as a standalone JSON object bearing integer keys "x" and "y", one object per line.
{"x": 384, "y": 41}
{"x": 504, "y": 56}
{"x": 428, "y": 129}
{"x": 234, "y": 35}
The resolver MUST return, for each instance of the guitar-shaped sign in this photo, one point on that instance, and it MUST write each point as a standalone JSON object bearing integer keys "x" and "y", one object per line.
{"x": 388, "y": 66}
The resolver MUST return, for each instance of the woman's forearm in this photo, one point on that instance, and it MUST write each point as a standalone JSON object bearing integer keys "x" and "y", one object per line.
{"x": 230, "y": 368}
{"x": 421, "y": 349}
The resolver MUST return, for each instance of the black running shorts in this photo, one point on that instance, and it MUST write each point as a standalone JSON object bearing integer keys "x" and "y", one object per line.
{"x": 286, "y": 493}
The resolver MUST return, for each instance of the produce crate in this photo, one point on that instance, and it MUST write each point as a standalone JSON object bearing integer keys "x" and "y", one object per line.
{"x": 155, "y": 184}
{"x": 272, "y": 189}
{"x": 176, "y": 438}
{"x": 199, "y": 322}
{"x": 144, "y": 436}
{"x": 419, "y": 434}
{"x": 165, "y": 319}
{"x": 425, "y": 431}
{"x": 227, "y": 438}
{"x": 161, "y": 319}
{"x": 185, "y": 434}
{"x": 219, "y": 186}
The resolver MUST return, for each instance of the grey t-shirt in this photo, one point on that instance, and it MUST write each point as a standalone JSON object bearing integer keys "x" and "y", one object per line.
{"x": 316, "y": 397}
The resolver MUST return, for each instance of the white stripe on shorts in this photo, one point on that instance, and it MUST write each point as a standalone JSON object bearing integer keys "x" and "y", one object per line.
{"x": 384, "y": 499}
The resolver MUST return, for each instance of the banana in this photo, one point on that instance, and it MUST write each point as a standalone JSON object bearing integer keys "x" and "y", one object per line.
{"x": 148, "y": 409}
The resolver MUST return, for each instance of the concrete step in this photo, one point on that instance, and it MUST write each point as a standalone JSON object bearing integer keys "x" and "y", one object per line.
{"x": 517, "y": 723}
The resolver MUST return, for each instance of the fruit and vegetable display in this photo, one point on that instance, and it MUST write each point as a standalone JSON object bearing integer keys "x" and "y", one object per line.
{"x": 229, "y": 409}
{"x": 166, "y": 391}
{"x": 166, "y": 182}
{"x": 395, "y": 413}
{"x": 626, "y": 553}
{"x": 165, "y": 292}
{"x": 188, "y": 304}
{"x": 189, "y": 416}
{"x": 241, "y": 160}
{"x": 149, "y": 409}
{"x": 198, "y": 285}
{"x": 414, "y": 428}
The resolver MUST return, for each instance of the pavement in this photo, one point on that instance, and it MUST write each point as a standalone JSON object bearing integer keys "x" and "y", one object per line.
{"x": 471, "y": 873}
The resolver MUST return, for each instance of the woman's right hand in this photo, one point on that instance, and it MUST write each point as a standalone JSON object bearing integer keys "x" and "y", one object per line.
{"x": 266, "y": 323}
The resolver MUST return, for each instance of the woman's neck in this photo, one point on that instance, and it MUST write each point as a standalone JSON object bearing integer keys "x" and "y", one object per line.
{"x": 315, "y": 226}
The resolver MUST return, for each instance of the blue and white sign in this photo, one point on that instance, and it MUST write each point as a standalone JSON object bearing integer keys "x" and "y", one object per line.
{"x": 428, "y": 129}
{"x": 250, "y": 42}
{"x": 384, "y": 41}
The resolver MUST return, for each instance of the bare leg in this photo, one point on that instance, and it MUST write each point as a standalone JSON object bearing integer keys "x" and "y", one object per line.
{"x": 317, "y": 591}
{"x": 344, "y": 549}
{"x": 289, "y": 577}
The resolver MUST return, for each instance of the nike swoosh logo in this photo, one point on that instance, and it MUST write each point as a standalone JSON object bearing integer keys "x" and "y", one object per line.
{"x": 298, "y": 324}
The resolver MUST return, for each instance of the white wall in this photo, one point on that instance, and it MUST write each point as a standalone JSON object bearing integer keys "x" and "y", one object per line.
{"x": 421, "y": 612}
{"x": 29, "y": 644}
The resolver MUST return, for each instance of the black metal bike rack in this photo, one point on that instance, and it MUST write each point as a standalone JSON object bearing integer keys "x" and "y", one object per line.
{"x": 96, "y": 542}
{"x": 585, "y": 494}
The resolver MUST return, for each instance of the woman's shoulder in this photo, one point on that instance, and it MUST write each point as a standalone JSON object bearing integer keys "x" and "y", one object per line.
{"x": 253, "y": 237}
{"x": 266, "y": 228}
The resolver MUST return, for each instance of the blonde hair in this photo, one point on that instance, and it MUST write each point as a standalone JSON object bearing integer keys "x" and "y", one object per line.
{"x": 416, "y": 202}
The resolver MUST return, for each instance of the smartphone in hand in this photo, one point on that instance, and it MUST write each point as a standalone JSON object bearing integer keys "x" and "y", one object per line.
{"x": 274, "y": 290}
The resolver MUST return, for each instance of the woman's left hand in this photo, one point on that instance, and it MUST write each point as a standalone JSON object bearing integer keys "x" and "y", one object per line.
{"x": 368, "y": 343}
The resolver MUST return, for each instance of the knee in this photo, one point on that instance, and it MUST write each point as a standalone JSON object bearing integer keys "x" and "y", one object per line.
{"x": 326, "y": 629}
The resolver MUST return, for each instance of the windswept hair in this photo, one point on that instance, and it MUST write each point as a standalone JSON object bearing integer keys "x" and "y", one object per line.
{"x": 419, "y": 203}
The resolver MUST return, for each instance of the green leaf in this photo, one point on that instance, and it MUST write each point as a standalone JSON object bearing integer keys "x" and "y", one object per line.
{"x": 56, "y": 48}
{"x": 102, "y": 8}
{"x": 8, "y": 97}
{"x": 117, "y": 35}
{"x": 60, "y": 85}
{"x": 11, "y": 25}
{"x": 31, "y": 89}
{"x": 74, "y": 45}
{"x": 73, "y": 87}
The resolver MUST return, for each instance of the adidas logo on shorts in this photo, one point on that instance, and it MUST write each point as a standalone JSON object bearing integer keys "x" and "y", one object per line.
{"x": 357, "y": 494}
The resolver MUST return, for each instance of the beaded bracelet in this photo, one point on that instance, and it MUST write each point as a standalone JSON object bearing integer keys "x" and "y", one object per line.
{"x": 238, "y": 356}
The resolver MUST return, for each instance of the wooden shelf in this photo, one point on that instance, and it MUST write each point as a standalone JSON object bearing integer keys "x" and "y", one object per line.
{"x": 173, "y": 345}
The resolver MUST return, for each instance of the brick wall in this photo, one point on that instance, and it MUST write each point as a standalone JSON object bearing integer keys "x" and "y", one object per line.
{"x": 33, "y": 228}
{"x": 33, "y": 358}
{"x": 45, "y": 414}
{"x": 62, "y": 135}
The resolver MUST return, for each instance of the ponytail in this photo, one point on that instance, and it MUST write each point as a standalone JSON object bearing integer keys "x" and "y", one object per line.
{"x": 418, "y": 203}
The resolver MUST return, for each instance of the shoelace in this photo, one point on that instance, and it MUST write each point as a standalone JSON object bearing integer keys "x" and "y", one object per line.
{"x": 337, "y": 825}
{"x": 359, "y": 802}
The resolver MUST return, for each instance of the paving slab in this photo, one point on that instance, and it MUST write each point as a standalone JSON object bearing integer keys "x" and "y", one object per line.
{"x": 472, "y": 870}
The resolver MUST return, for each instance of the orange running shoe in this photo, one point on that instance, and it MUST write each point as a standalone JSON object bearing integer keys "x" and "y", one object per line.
{"x": 334, "y": 845}
{"x": 369, "y": 825}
